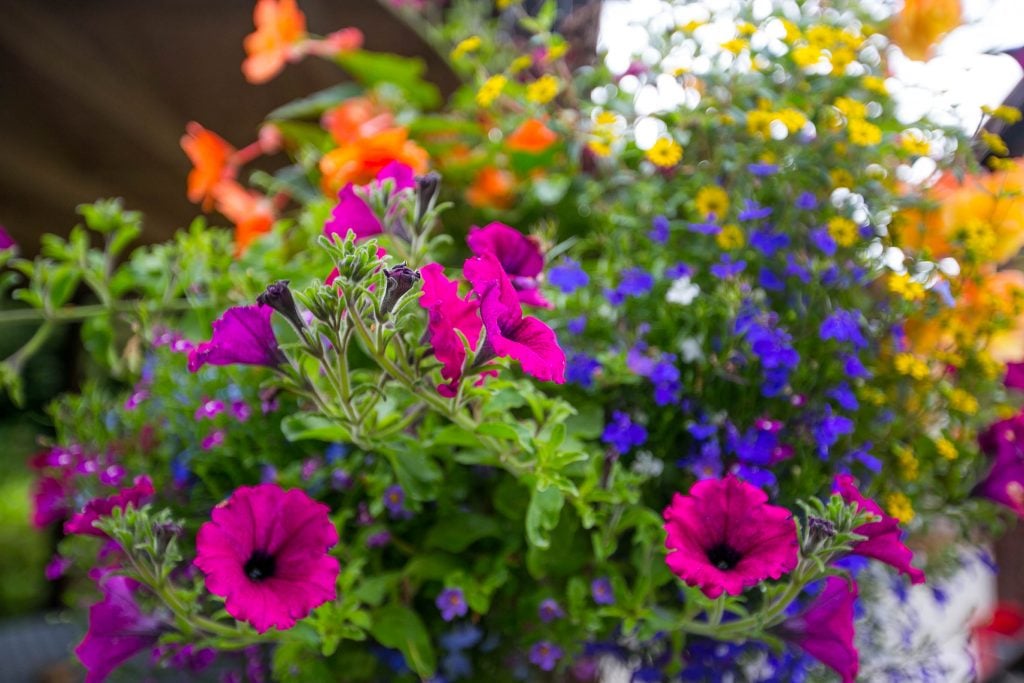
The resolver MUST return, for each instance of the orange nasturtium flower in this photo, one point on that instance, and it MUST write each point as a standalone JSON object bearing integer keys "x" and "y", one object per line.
{"x": 492, "y": 188}
{"x": 251, "y": 212}
{"x": 922, "y": 23}
{"x": 532, "y": 137}
{"x": 210, "y": 155}
{"x": 362, "y": 159}
{"x": 280, "y": 26}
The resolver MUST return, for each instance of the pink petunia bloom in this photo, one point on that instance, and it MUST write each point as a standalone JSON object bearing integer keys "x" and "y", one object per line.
{"x": 1014, "y": 376}
{"x": 265, "y": 553}
{"x": 135, "y": 495}
{"x": 118, "y": 629}
{"x": 824, "y": 629}
{"x": 353, "y": 213}
{"x": 6, "y": 241}
{"x": 519, "y": 255}
{"x": 49, "y": 501}
{"x": 1004, "y": 483}
{"x": 448, "y": 312}
{"x": 724, "y": 537}
{"x": 883, "y": 537}
{"x": 509, "y": 334}
{"x": 242, "y": 335}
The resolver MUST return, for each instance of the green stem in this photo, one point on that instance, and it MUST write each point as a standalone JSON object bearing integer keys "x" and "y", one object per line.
{"x": 73, "y": 314}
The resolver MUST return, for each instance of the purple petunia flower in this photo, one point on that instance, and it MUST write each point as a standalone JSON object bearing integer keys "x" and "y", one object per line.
{"x": 601, "y": 591}
{"x": 212, "y": 440}
{"x": 117, "y": 629}
{"x": 659, "y": 230}
{"x": 622, "y": 433}
{"x": 568, "y": 277}
{"x": 452, "y": 604}
{"x": 545, "y": 655}
{"x": 242, "y": 335}
{"x": 825, "y": 628}
{"x": 6, "y": 241}
{"x": 550, "y": 610}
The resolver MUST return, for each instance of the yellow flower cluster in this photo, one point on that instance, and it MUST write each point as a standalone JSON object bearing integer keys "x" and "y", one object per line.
{"x": 907, "y": 461}
{"x": 898, "y": 505}
{"x": 712, "y": 199}
{"x": 465, "y": 47}
{"x": 730, "y": 237}
{"x": 490, "y": 90}
{"x": 905, "y": 286}
{"x": 843, "y": 231}
{"x": 665, "y": 152}
{"x": 946, "y": 448}
{"x": 863, "y": 133}
{"x": 838, "y": 46}
{"x": 995, "y": 143}
{"x": 759, "y": 121}
{"x": 914, "y": 143}
{"x": 543, "y": 90}
{"x": 961, "y": 401}
{"x": 910, "y": 365}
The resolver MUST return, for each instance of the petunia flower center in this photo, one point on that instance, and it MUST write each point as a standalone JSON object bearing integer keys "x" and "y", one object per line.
{"x": 260, "y": 566}
{"x": 723, "y": 556}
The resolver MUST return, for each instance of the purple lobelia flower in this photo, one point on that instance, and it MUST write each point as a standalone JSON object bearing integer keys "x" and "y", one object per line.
{"x": 828, "y": 429}
{"x": 550, "y": 610}
{"x": 824, "y": 629}
{"x": 659, "y": 230}
{"x": 545, "y": 655}
{"x": 601, "y": 591}
{"x": 118, "y": 629}
{"x": 635, "y": 282}
{"x": 394, "y": 501}
{"x": 568, "y": 276}
{"x": 752, "y": 211}
{"x": 622, "y": 433}
{"x": 242, "y": 335}
{"x": 580, "y": 369}
{"x": 452, "y": 603}
{"x": 843, "y": 326}
{"x": 823, "y": 241}
{"x": 761, "y": 169}
{"x": 806, "y": 201}
{"x": 727, "y": 267}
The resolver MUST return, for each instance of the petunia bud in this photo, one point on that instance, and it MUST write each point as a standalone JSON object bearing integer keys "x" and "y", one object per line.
{"x": 400, "y": 280}
{"x": 427, "y": 187}
{"x": 279, "y": 297}
{"x": 819, "y": 532}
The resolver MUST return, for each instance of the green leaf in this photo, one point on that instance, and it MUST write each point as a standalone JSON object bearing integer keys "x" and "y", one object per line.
{"x": 457, "y": 533}
{"x": 405, "y": 73}
{"x": 418, "y": 474}
{"x": 542, "y": 515}
{"x": 316, "y": 104}
{"x": 374, "y": 589}
{"x": 400, "y": 628}
{"x": 307, "y": 426}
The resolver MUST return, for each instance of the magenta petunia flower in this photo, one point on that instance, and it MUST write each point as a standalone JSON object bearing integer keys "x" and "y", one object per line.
{"x": 118, "y": 630}
{"x": 1014, "y": 376}
{"x": 6, "y": 241}
{"x": 724, "y": 537}
{"x": 883, "y": 537}
{"x": 353, "y": 213}
{"x": 49, "y": 501}
{"x": 1004, "y": 483}
{"x": 265, "y": 553}
{"x": 135, "y": 495}
{"x": 519, "y": 255}
{"x": 242, "y": 335}
{"x": 825, "y": 629}
{"x": 447, "y": 312}
{"x": 509, "y": 334}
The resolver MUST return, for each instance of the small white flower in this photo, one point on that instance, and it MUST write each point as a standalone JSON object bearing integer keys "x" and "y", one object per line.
{"x": 690, "y": 349}
{"x": 646, "y": 464}
{"x": 682, "y": 292}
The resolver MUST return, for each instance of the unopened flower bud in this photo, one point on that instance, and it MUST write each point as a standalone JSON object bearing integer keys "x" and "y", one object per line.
{"x": 279, "y": 297}
{"x": 819, "y": 531}
{"x": 400, "y": 280}
{"x": 427, "y": 187}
